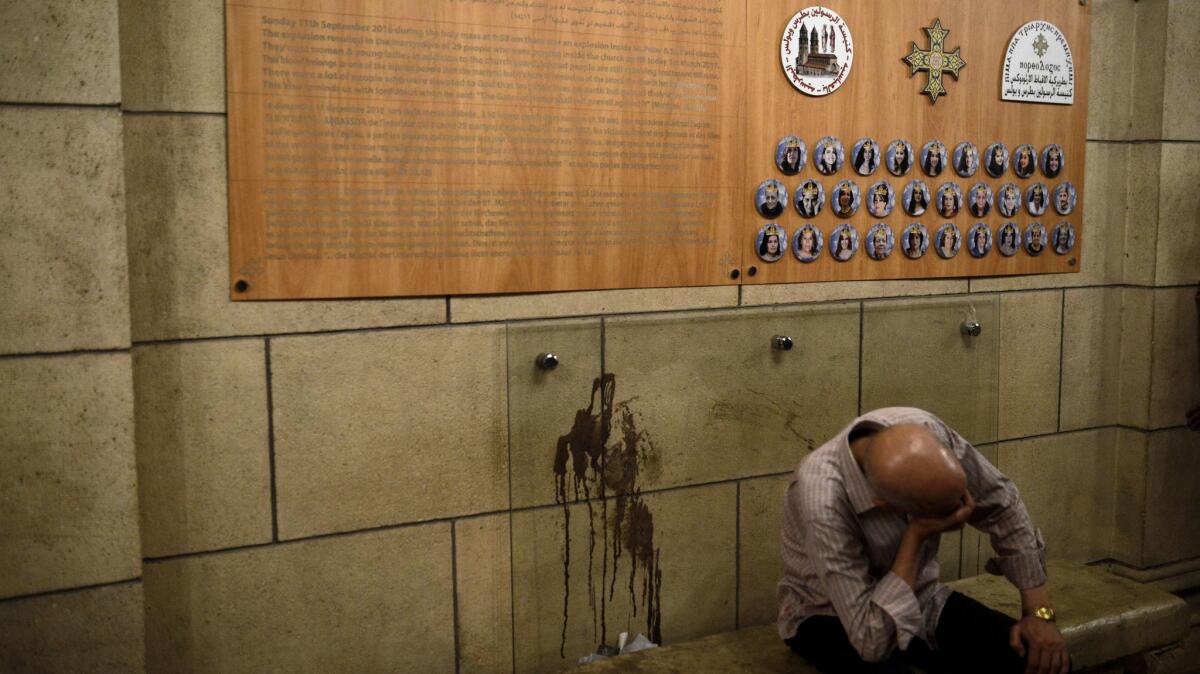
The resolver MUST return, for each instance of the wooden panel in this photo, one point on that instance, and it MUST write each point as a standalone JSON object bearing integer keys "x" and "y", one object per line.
{"x": 880, "y": 101}
{"x": 383, "y": 147}
{"x": 399, "y": 147}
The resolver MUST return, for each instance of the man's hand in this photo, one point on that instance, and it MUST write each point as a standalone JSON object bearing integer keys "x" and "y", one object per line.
{"x": 925, "y": 527}
{"x": 1193, "y": 418}
{"x": 1042, "y": 646}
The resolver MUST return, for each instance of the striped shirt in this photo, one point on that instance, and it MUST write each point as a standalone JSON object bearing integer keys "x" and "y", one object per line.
{"x": 838, "y": 546}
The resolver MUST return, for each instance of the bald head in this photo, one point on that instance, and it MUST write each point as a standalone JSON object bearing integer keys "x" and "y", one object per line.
{"x": 910, "y": 469}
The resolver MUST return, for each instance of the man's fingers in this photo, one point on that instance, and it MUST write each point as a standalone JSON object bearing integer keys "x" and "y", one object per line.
{"x": 1014, "y": 640}
{"x": 1064, "y": 662}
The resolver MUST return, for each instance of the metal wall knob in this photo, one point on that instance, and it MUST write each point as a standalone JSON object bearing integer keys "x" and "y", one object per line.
{"x": 972, "y": 328}
{"x": 782, "y": 343}
{"x": 547, "y": 361}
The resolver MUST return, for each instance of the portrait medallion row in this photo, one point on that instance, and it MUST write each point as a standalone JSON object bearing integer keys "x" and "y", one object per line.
{"x": 809, "y": 199}
{"x": 808, "y": 242}
{"x": 829, "y": 156}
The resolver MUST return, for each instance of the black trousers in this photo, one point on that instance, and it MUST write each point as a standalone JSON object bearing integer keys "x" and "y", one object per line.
{"x": 971, "y": 638}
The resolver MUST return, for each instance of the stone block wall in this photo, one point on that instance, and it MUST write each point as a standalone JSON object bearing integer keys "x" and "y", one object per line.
{"x": 193, "y": 484}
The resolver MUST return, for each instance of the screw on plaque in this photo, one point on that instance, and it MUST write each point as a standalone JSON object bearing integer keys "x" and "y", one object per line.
{"x": 972, "y": 328}
{"x": 546, "y": 362}
{"x": 752, "y": 270}
{"x": 241, "y": 286}
{"x": 782, "y": 343}
{"x": 735, "y": 273}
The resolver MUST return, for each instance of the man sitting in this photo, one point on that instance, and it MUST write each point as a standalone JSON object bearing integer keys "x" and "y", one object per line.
{"x": 862, "y": 522}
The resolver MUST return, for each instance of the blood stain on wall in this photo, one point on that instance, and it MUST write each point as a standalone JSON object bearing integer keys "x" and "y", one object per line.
{"x": 604, "y": 472}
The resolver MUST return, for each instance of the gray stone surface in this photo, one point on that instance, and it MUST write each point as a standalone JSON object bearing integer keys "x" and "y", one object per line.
{"x": 203, "y": 456}
{"x": 94, "y": 630}
{"x": 68, "y": 484}
{"x": 62, "y": 230}
{"x": 59, "y": 51}
{"x": 173, "y": 55}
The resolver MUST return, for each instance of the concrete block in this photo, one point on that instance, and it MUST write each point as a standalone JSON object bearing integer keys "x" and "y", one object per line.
{"x": 94, "y": 630}
{"x": 1175, "y": 370}
{"x": 1141, "y": 213}
{"x": 707, "y": 398}
{"x": 475, "y": 309}
{"x": 379, "y": 428}
{"x": 204, "y": 474}
{"x": 1173, "y": 507}
{"x": 760, "y": 566}
{"x": 1181, "y": 79}
{"x": 1102, "y": 251}
{"x": 1178, "y": 242}
{"x": 1091, "y": 374}
{"x": 1147, "y": 86}
{"x": 59, "y": 51}
{"x": 684, "y": 541}
{"x": 179, "y": 246}
{"x": 1066, "y": 481}
{"x": 1129, "y": 533}
{"x": 1105, "y": 357}
{"x": 62, "y": 230}
{"x": 173, "y": 55}
{"x": 1030, "y": 350}
{"x": 483, "y": 555}
{"x": 915, "y": 354}
{"x": 1137, "y": 320}
{"x": 790, "y": 293}
{"x": 68, "y": 483}
{"x": 1111, "y": 79}
{"x": 376, "y": 602}
{"x": 545, "y": 406}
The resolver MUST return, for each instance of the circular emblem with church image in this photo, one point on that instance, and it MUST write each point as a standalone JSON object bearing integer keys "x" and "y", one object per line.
{"x": 816, "y": 51}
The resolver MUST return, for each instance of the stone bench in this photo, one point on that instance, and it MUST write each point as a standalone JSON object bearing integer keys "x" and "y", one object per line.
{"x": 1105, "y": 619}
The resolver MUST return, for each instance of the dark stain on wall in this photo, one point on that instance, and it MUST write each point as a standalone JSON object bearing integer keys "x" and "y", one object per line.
{"x": 604, "y": 472}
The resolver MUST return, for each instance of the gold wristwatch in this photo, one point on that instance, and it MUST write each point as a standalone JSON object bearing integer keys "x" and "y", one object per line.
{"x": 1044, "y": 613}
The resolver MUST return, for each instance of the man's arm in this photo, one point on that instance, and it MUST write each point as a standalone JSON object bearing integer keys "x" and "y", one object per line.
{"x": 1021, "y": 557}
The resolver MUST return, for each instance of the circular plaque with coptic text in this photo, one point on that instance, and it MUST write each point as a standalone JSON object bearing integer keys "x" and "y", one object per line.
{"x": 816, "y": 51}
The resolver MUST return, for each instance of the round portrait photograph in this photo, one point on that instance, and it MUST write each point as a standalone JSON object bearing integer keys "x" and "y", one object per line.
{"x": 810, "y": 199}
{"x": 790, "y": 155}
{"x": 1035, "y": 239}
{"x": 1024, "y": 161}
{"x": 843, "y": 242}
{"x": 771, "y": 243}
{"x": 844, "y": 199}
{"x": 866, "y": 156}
{"x": 880, "y": 241}
{"x": 1037, "y": 198}
{"x": 914, "y": 240}
{"x": 1053, "y": 160}
{"x": 916, "y": 198}
{"x": 1008, "y": 200}
{"x": 1064, "y": 237}
{"x": 829, "y": 155}
{"x": 770, "y": 198}
{"x": 881, "y": 200}
{"x": 1008, "y": 239}
{"x": 1064, "y": 198}
{"x": 966, "y": 159}
{"x": 899, "y": 157}
{"x": 949, "y": 200}
{"x": 995, "y": 159}
{"x": 979, "y": 200}
{"x": 933, "y": 158}
{"x": 948, "y": 240}
{"x": 808, "y": 243}
{"x": 979, "y": 240}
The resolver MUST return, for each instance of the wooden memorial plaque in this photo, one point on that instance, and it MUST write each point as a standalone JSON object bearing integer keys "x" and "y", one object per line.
{"x": 404, "y": 148}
